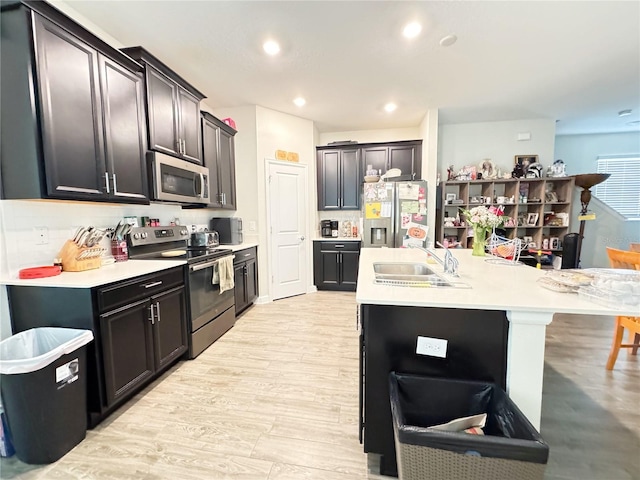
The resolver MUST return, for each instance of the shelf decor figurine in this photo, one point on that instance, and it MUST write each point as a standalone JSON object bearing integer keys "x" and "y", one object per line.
{"x": 483, "y": 220}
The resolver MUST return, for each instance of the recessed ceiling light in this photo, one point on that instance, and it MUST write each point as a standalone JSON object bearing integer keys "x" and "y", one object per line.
{"x": 390, "y": 107}
{"x": 299, "y": 101}
{"x": 624, "y": 113}
{"x": 412, "y": 30}
{"x": 271, "y": 47}
{"x": 448, "y": 40}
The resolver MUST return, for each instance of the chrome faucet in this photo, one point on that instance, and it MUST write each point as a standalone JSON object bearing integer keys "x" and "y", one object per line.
{"x": 450, "y": 263}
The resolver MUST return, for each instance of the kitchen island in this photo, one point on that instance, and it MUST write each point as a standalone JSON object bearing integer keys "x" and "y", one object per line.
{"x": 495, "y": 330}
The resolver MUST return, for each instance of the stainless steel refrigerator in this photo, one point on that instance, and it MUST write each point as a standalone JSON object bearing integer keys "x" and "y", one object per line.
{"x": 395, "y": 214}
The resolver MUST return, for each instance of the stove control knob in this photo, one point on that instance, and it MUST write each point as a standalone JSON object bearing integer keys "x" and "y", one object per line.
{"x": 144, "y": 234}
{"x": 183, "y": 232}
{"x": 136, "y": 236}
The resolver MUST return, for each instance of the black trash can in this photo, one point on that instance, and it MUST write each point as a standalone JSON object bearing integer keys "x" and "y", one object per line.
{"x": 43, "y": 385}
{"x": 510, "y": 447}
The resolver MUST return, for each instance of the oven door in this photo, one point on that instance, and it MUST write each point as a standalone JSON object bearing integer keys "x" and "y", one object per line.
{"x": 205, "y": 300}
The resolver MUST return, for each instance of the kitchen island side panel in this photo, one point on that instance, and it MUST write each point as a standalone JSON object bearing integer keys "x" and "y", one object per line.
{"x": 476, "y": 350}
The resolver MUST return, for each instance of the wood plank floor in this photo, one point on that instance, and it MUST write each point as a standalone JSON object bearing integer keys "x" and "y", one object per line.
{"x": 276, "y": 398}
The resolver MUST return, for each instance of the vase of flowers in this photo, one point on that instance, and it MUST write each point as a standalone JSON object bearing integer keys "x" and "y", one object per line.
{"x": 483, "y": 220}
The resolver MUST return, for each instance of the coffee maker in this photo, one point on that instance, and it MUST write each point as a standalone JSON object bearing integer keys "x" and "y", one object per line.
{"x": 325, "y": 228}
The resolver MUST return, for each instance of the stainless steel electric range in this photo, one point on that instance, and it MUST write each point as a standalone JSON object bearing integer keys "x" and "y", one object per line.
{"x": 210, "y": 313}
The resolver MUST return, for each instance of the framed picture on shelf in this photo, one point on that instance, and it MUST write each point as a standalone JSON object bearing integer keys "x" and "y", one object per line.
{"x": 528, "y": 242}
{"x": 554, "y": 243}
{"x": 532, "y": 219}
{"x": 525, "y": 160}
{"x": 450, "y": 197}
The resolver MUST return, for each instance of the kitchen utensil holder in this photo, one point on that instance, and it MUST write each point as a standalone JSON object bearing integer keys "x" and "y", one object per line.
{"x": 79, "y": 259}
{"x": 119, "y": 250}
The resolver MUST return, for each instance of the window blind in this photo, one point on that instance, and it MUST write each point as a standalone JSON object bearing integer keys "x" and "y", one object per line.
{"x": 621, "y": 191}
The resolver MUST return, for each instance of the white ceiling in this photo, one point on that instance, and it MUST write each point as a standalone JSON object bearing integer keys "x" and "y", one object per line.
{"x": 577, "y": 62}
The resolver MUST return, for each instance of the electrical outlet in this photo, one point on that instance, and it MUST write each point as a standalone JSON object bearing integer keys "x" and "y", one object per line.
{"x": 42, "y": 235}
{"x": 432, "y": 347}
{"x": 252, "y": 226}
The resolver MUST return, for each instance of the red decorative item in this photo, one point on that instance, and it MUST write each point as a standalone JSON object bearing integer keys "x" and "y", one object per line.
{"x": 40, "y": 272}
{"x": 229, "y": 121}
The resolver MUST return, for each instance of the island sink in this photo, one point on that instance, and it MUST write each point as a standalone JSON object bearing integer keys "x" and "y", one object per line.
{"x": 407, "y": 274}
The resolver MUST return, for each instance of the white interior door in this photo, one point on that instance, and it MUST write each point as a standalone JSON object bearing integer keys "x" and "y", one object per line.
{"x": 287, "y": 193}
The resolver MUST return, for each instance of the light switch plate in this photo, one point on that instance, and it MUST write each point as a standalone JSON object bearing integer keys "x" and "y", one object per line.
{"x": 432, "y": 347}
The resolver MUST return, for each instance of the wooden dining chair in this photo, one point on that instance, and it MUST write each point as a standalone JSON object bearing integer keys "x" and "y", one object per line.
{"x": 628, "y": 260}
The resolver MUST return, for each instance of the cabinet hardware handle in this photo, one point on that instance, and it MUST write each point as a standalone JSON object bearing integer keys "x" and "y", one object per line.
{"x": 179, "y": 144}
{"x": 151, "y": 308}
{"x": 339, "y": 246}
{"x": 184, "y": 146}
{"x": 247, "y": 254}
{"x": 158, "y": 311}
{"x": 224, "y": 198}
{"x": 153, "y": 284}
{"x": 115, "y": 186}
{"x": 106, "y": 181}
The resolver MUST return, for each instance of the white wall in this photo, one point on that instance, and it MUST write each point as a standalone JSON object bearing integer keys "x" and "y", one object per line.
{"x": 429, "y": 135}
{"x": 610, "y": 229}
{"x": 470, "y": 143}
{"x": 371, "y": 136}
{"x": 281, "y": 131}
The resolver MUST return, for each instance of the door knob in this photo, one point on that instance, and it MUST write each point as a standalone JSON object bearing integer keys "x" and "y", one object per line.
{"x": 301, "y": 237}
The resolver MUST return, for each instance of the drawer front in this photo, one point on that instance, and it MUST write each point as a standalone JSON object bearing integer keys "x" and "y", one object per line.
{"x": 138, "y": 288}
{"x": 245, "y": 254}
{"x": 340, "y": 246}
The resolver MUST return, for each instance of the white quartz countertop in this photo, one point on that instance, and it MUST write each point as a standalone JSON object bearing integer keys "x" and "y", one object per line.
{"x": 493, "y": 286}
{"x": 242, "y": 246}
{"x": 100, "y": 276}
{"x": 337, "y": 239}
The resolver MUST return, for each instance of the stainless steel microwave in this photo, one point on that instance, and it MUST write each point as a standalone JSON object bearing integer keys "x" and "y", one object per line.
{"x": 176, "y": 180}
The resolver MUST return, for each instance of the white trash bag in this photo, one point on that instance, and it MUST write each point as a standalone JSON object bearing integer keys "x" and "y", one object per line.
{"x": 36, "y": 348}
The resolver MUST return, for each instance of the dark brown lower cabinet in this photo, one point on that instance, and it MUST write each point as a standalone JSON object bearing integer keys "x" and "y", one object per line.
{"x": 245, "y": 270}
{"x": 139, "y": 327}
{"x": 335, "y": 265}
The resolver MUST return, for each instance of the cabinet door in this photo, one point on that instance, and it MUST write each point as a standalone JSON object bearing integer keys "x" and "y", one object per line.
{"x": 350, "y": 180}
{"x": 227, "y": 171}
{"x": 251, "y": 276}
{"x": 349, "y": 269}
{"x": 170, "y": 331}
{"x": 210, "y": 140}
{"x": 127, "y": 347}
{"x": 329, "y": 180}
{"x": 240, "y": 289}
{"x": 329, "y": 268}
{"x": 189, "y": 126}
{"x": 68, "y": 85}
{"x": 404, "y": 158}
{"x": 124, "y": 121}
{"x": 376, "y": 157}
{"x": 162, "y": 97}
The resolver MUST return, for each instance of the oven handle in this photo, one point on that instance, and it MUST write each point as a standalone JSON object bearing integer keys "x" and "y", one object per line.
{"x": 202, "y": 266}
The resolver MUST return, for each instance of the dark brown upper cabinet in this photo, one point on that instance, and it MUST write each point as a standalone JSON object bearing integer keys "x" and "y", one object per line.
{"x": 407, "y": 156}
{"x": 72, "y": 111}
{"x": 173, "y": 109}
{"x": 218, "y": 153}
{"x": 339, "y": 178}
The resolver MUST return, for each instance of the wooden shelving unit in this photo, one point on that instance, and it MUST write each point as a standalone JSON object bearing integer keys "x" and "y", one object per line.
{"x": 535, "y": 217}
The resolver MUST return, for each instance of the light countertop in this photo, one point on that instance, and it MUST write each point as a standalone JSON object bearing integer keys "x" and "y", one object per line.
{"x": 493, "y": 286}
{"x": 337, "y": 239}
{"x": 100, "y": 276}
{"x": 242, "y": 246}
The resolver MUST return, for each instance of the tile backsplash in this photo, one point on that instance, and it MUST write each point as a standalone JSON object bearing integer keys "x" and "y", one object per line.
{"x": 21, "y": 245}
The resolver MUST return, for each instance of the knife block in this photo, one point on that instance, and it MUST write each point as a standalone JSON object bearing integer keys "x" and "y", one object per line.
{"x": 79, "y": 259}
